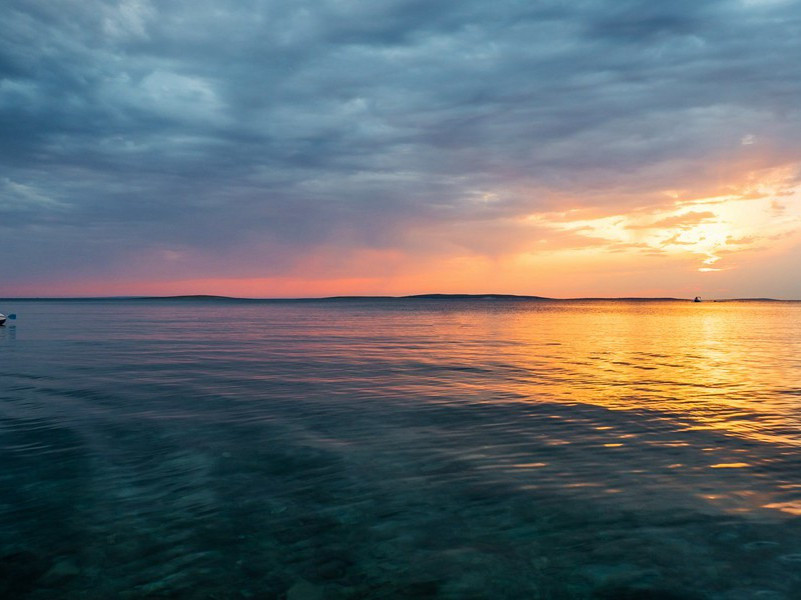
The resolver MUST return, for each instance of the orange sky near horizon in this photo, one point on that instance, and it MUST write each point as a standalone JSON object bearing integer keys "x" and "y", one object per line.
{"x": 681, "y": 247}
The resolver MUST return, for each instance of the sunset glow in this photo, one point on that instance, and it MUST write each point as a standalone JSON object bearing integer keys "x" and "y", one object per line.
{"x": 714, "y": 232}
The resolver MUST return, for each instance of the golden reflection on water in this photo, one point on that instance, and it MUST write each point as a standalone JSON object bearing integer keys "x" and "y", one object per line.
{"x": 793, "y": 508}
{"x": 689, "y": 377}
{"x": 721, "y": 366}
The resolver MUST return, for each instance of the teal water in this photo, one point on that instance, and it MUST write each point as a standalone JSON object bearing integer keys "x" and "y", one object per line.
{"x": 407, "y": 449}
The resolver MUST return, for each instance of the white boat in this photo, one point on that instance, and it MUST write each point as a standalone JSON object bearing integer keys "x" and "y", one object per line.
{"x": 2, "y": 319}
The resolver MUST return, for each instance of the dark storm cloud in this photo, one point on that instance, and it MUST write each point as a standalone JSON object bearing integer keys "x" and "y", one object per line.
{"x": 253, "y": 130}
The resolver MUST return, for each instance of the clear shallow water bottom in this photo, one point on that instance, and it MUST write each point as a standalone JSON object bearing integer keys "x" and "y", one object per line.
{"x": 412, "y": 449}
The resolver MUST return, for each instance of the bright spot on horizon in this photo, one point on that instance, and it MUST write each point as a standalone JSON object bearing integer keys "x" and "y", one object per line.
{"x": 712, "y": 231}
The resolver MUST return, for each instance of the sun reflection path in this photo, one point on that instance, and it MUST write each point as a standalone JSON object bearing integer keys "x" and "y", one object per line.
{"x": 751, "y": 217}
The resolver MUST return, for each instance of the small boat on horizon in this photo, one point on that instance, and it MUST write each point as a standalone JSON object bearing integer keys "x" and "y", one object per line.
{"x": 697, "y": 299}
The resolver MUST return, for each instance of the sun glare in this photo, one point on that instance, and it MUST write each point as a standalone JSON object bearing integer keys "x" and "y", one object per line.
{"x": 711, "y": 231}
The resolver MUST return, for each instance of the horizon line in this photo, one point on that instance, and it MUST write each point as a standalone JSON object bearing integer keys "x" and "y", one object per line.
{"x": 427, "y": 296}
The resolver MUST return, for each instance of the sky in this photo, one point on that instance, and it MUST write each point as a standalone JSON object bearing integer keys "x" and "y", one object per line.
{"x": 289, "y": 148}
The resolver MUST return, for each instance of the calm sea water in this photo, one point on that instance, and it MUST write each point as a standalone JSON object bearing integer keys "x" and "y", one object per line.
{"x": 407, "y": 449}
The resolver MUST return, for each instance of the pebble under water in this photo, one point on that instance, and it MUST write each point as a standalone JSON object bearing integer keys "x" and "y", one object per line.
{"x": 455, "y": 449}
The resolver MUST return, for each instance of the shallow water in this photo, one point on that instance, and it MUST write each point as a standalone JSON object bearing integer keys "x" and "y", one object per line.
{"x": 406, "y": 449}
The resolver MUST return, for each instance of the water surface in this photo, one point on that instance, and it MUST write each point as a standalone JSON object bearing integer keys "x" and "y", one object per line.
{"x": 404, "y": 449}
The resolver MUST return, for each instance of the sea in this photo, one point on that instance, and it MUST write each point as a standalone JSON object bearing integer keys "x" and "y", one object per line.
{"x": 212, "y": 449}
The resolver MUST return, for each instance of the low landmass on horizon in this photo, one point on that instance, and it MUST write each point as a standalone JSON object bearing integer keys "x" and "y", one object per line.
{"x": 499, "y": 297}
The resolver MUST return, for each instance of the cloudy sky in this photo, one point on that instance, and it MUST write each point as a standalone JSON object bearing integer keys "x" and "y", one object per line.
{"x": 275, "y": 148}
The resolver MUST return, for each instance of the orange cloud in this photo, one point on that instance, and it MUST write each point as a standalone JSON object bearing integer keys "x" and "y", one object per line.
{"x": 683, "y": 221}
